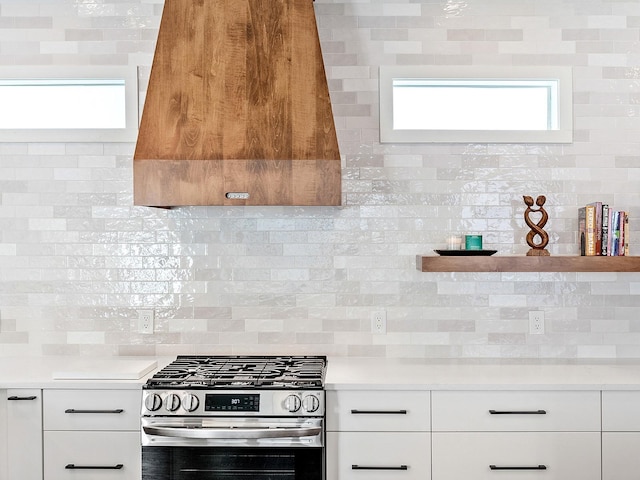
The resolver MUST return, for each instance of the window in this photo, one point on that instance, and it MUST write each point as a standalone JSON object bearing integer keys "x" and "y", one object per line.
{"x": 470, "y": 104}
{"x": 69, "y": 104}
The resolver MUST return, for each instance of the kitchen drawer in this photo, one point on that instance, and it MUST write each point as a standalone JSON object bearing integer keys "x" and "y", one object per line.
{"x": 92, "y": 409}
{"x": 564, "y": 455}
{"x": 378, "y": 410}
{"x": 117, "y": 453}
{"x": 380, "y": 456}
{"x": 620, "y": 411}
{"x": 620, "y": 459}
{"x": 23, "y": 434}
{"x": 508, "y": 411}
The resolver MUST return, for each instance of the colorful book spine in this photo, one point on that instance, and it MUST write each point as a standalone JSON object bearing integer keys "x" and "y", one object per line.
{"x": 605, "y": 229}
{"x": 590, "y": 231}
{"x": 612, "y": 231}
{"x": 597, "y": 227}
{"x": 626, "y": 233}
{"x": 582, "y": 229}
{"x": 623, "y": 239}
{"x": 615, "y": 240}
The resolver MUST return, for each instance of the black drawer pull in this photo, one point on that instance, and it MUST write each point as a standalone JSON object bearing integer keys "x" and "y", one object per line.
{"x": 518, "y": 412}
{"x": 379, "y": 412}
{"x": 364, "y": 467}
{"x": 32, "y": 397}
{"x": 538, "y": 467}
{"x": 73, "y": 466}
{"x": 73, "y": 410}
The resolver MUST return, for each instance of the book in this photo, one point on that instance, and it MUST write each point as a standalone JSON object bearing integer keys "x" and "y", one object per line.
{"x": 590, "y": 231}
{"x": 615, "y": 233}
{"x": 597, "y": 227}
{"x": 605, "y": 229}
{"x": 582, "y": 229}
{"x": 626, "y": 233}
{"x": 623, "y": 239}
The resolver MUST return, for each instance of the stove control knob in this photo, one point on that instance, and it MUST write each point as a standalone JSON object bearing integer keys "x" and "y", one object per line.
{"x": 292, "y": 403}
{"x": 153, "y": 402}
{"x": 310, "y": 403}
{"x": 172, "y": 402}
{"x": 190, "y": 402}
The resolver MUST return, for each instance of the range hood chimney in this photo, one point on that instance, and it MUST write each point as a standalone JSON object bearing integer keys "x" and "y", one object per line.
{"x": 237, "y": 111}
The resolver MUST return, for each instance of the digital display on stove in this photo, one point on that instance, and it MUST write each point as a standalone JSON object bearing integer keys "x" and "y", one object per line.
{"x": 224, "y": 402}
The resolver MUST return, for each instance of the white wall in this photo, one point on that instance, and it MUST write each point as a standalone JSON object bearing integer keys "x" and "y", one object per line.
{"x": 76, "y": 258}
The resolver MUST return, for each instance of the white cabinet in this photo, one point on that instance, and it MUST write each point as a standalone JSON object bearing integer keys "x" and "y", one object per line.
{"x": 92, "y": 409}
{"x": 620, "y": 411}
{"x": 620, "y": 435}
{"x": 381, "y": 435}
{"x": 22, "y": 449}
{"x": 92, "y": 455}
{"x": 620, "y": 459}
{"x": 92, "y": 434}
{"x": 389, "y": 455}
{"x": 516, "y": 411}
{"x": 483, "y": 433}
{"x": 3, "y": 435}
{"x": 525, "y": 455}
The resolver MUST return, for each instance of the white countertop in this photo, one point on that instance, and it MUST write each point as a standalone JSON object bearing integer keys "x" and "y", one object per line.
{"x": 343, "y": 373}
{"x": 394, "y": 374}
{"x": 77, "y": 372}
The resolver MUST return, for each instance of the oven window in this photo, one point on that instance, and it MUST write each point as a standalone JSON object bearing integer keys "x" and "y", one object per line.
{"x": 202, "y": 463}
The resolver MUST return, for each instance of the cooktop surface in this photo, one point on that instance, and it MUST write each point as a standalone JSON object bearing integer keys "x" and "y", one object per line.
{"x": 204, "y": 371}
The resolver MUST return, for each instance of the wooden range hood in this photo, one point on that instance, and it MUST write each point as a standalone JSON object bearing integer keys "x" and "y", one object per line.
{"x": 237, "y": 106}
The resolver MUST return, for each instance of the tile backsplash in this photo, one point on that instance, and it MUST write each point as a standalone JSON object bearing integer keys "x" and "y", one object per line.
{"x": 77, "y": 259}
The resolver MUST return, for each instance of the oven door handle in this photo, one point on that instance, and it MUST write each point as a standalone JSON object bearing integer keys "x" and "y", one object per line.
{"x": 232, "y": 432}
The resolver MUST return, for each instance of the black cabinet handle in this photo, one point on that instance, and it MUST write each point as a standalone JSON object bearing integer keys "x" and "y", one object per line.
{"x": 73, "y": 410}
{"x": 364, "y": 467}
{"x": 518, "y": 412}
{"x": 73, "y": 466}
{"x": 33, "y": 397}
{"x": 379, "y": 412}
{"x": 537, "y": 467}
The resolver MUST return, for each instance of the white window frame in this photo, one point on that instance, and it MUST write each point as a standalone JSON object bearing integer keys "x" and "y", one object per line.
{"x": 65, "y": 76}
{"x": 559, "y": 129}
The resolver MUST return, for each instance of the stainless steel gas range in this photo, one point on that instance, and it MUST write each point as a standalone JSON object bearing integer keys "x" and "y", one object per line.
{"x": 232, "y": 417}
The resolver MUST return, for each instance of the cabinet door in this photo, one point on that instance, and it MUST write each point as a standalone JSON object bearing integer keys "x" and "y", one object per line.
{"x": 378, "y": 410}
{"x": 378, "y": 456}
{"x": 3, "y": 435}
{"x": 92, "y": 455}
{"x": 516, "y": 411}
{"x": 92, "y": 409}
{"x": 24, "y": 434}
{"x": 620, "y": 411}
{"x": 620, "y": 459}
{"x": 521, "y": 456}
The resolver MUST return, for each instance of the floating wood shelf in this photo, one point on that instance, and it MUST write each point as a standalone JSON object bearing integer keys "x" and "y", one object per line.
{"x": 562, "y": 263}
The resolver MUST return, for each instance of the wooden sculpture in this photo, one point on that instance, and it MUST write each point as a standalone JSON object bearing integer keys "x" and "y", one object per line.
{"x": 537, "y": 248}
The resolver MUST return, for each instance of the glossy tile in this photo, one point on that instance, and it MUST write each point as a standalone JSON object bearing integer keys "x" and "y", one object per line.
{"x": 77, "y": 259}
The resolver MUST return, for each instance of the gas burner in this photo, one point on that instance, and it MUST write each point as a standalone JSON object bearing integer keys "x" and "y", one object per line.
{"x": 200, "y": 371}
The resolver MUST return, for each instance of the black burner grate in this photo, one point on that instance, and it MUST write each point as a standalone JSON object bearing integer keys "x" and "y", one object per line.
{"x": 203, "y": 371}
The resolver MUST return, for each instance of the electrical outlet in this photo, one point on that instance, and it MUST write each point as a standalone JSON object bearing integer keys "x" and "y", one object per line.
{"x": 145, "y": 321}
{"x": 379, "y": 321}
{"x": 536, "y": 322}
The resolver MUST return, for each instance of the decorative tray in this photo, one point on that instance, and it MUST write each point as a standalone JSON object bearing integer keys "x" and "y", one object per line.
{"x": 461, "y": 253}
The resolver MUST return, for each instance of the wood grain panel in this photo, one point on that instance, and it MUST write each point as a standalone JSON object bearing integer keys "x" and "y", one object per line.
{"x": 527, "y": 264}
{"x": 162, "y": 183}
{"x": 238, "y": 80}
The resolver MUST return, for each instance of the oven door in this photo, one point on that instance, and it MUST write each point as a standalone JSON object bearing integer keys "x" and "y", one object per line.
{"x": 232, "y": 448}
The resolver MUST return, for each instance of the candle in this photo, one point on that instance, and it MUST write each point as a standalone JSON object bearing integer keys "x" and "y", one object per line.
{"x": 473, "y": 242}
{"x": 454, "y": 242}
